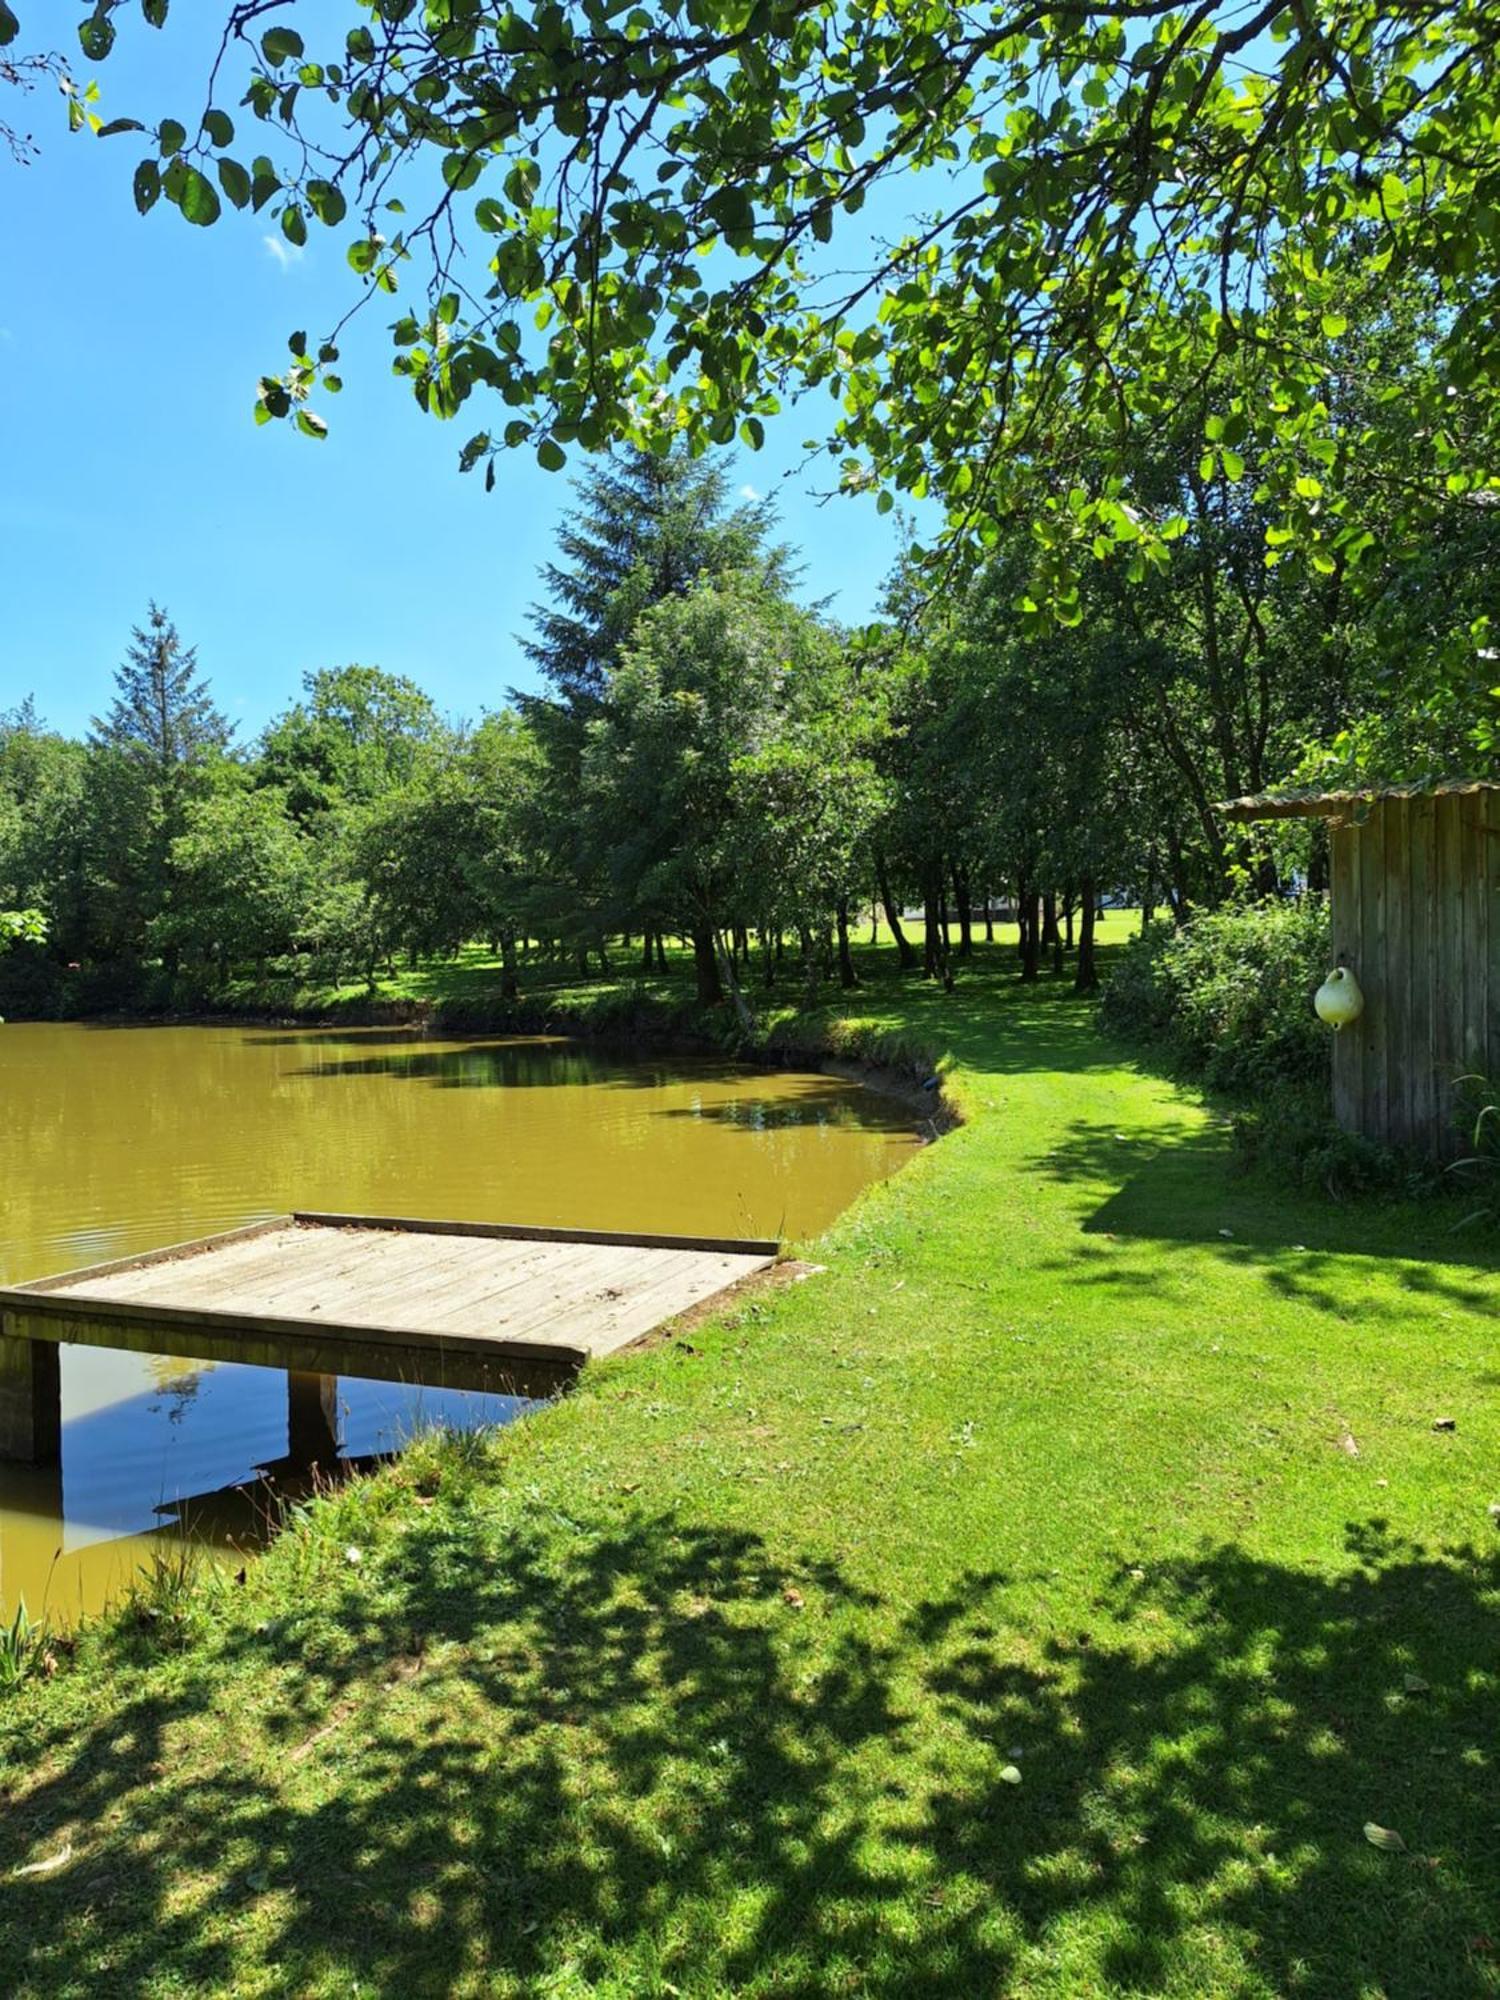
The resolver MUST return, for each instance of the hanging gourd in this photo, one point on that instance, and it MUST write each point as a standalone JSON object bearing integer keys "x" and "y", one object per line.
{"x": 1339, "y": 1000}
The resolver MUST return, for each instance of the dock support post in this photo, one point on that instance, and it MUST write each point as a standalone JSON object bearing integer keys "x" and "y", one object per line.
{"x": 30, "y": 1398}
{"x": 312, "y": 1418}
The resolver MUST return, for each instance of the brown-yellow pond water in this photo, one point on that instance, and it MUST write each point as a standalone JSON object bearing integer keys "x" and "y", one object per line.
{"x": 119, "y": 1139}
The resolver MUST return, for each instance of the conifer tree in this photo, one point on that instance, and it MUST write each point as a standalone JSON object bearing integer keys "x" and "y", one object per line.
{"x": 162, "y": 713}
{"x": 645, "y": 528}
{"x": 156, "y": 749}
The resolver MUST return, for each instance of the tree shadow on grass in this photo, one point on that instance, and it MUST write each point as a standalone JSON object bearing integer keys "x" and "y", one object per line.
{"x": 1175, "y": 1184}
{"x": 531, "y": 1758}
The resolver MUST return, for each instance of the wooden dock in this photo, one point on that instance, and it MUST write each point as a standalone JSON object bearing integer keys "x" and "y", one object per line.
{"x": 445, "y": 1304}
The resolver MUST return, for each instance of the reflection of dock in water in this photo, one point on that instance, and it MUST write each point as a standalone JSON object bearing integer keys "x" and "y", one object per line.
{"x": 244, "y": 1512}
{"x": 443, "y": 1304}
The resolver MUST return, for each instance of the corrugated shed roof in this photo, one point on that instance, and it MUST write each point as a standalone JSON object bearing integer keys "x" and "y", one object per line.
{"x": 1333, "y": 805}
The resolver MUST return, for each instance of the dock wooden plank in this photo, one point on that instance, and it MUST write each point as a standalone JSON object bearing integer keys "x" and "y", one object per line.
{"x": 639, "y": 1312}
{"x": 388, "y": 1297}
{"x": 260, "y": 1273}
{"x": 554, "y": 1292}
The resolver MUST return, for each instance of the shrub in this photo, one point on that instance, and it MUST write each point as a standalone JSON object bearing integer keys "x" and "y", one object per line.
{"x": 1229, "y": 995}
{"x": 1291, "y": 1132}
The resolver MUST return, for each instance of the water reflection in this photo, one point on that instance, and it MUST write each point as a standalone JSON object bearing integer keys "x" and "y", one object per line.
{"x": 207, "y": 1450}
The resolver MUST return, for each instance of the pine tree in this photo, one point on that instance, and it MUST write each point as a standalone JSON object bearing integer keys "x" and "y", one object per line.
{"x": 162, "y": 713}
{"x": 645, "y": 528}
{"x": 156, "y": 748}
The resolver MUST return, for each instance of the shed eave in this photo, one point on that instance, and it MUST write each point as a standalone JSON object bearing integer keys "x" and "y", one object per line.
{"x": 1338, "y": 804}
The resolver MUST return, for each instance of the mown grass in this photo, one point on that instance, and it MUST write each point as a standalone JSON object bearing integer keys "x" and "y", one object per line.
{"x": 1039, "y": 1599}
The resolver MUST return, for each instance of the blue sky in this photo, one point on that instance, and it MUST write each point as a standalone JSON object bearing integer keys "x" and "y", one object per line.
{"x": 130, "y": 467}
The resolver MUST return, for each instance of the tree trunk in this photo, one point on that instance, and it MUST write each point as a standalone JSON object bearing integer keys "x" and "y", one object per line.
{"x": 706, "y": 967}
{"x": 661, "y": 952}
{"x": 931, "y": 919}
{"x": 848, "y": 977}
{"x": 809, "y": 945}
{"x": 1086, "y": 977}
{"x": 768, "y": 959}
{"x": 509, "y": 985}
{"x": 965, "y": 910}
{"x": 1028, "y": 913}
{"x": 905, "y": 955}
{"x": 1178, "y": 893}
{"x": 1052, "y": 932}
{"x": 935, "y": 925}
{"x": 989, "y": 918}
{"x": 725, "y": 949}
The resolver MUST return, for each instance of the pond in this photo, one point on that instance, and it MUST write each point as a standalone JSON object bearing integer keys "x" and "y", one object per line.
{"x": 115, "y": 1140}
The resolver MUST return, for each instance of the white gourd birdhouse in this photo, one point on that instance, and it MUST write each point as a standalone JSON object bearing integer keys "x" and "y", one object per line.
{"x": 1338, "y": 1000}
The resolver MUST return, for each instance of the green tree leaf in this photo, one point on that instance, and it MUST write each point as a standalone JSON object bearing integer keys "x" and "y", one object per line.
{"x": 197, "y": 199}
{"x": 96, "y": 35}
{"x": 147, "y": 185}
{"x": 235, "y": 181}
{"x": 281, "y": 45}
{"x": 326, "y": 202}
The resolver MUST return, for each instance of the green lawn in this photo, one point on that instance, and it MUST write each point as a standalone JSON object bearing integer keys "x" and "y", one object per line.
{"x": 1040, "y": 1598}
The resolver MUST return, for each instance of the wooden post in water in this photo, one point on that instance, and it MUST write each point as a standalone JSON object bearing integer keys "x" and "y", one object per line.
{"x": 30, "y": 1399}
{"x": 312, "y": 1418}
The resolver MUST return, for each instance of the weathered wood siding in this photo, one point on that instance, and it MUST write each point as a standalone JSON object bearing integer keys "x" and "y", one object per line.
{"x": 1416, "y": 915}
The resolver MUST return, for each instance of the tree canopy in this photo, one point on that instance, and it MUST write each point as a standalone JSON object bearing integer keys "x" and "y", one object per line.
{"x": 645, "y": 222}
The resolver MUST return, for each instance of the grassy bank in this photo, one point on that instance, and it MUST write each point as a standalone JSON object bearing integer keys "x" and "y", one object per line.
{"x": 1040, "y": 1598}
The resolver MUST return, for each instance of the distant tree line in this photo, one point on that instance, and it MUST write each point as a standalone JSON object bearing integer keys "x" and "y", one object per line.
{"x": 709, "y": 759}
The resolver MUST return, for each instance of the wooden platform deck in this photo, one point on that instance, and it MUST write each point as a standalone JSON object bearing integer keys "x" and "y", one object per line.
{"x": 429, "y": 1302}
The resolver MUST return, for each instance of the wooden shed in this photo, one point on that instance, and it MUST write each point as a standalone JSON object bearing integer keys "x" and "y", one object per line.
{"x": 1415, "y": 895}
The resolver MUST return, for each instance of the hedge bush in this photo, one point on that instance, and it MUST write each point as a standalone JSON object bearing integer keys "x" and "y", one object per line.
{"x": 1229, "y": 995}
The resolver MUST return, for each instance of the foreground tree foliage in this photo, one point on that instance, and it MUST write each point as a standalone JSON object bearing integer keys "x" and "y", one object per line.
{"x": 646, "y": 223}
